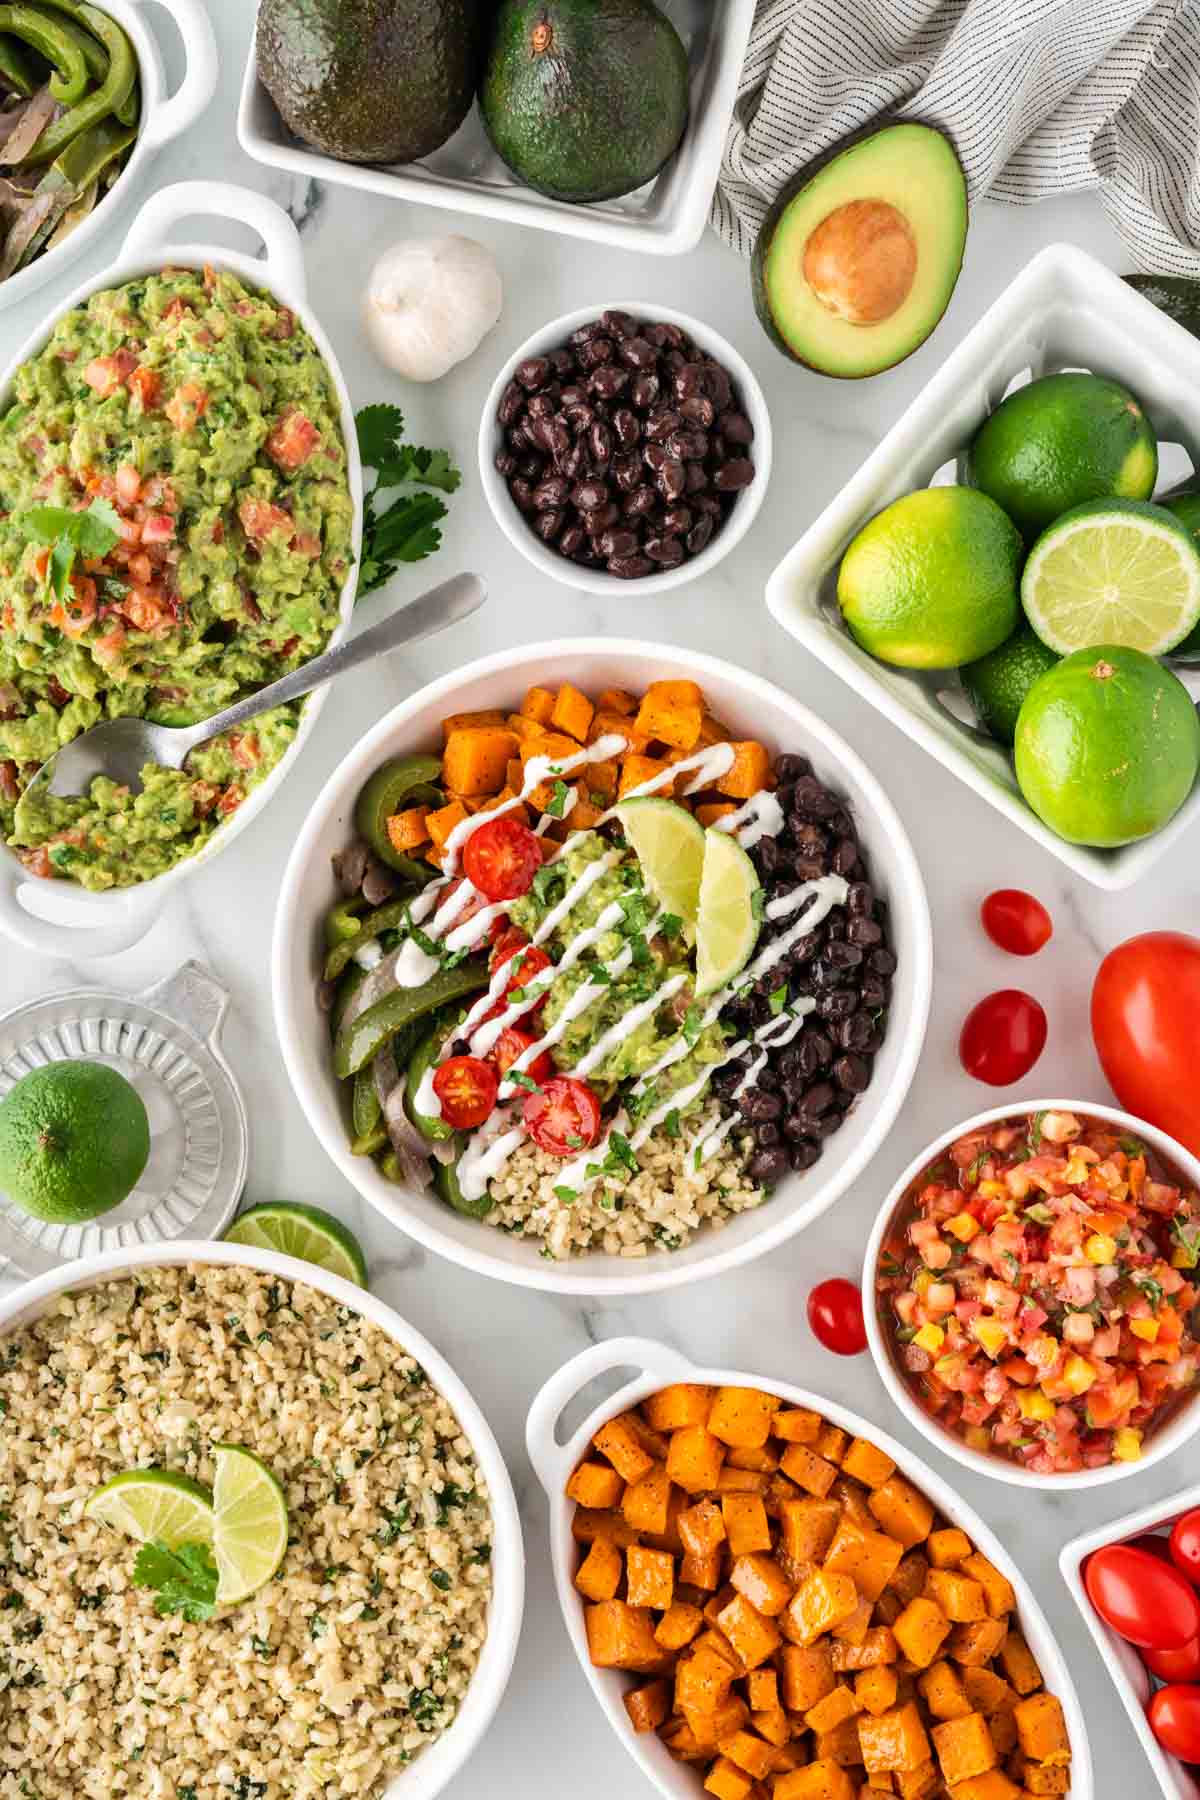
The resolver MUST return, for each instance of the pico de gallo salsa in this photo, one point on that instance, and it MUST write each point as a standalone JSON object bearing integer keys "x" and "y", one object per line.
{"x": 1037, "y": 1288}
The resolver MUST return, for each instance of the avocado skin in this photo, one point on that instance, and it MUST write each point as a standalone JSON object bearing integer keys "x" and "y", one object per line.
{"x": 762, "y": 245}
{"x": 600, "y": 111}
{"x": 371, "y": 80}
{"x": 1176, "y": 295}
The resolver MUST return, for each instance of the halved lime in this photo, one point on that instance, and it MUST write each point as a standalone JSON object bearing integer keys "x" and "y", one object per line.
{"x": 250, "y": 1524}
{"x": 1121, "y": 572}
{"x": 155, "y": 1505}
{"x": 307, "y": 1232}
{"x": 727, "y": 923}
{"x": 669, "y": 844}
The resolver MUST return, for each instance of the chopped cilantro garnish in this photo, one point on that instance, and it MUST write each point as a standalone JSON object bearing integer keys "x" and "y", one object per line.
{"x": 556, "y": 806}
{"x": 670, "y": 925}
{"x": 519, "y": 1079}
{"x": 693, "y": 1022}
{"x": 568, "y": 1195}
{"x": 758, "y": 904}
{"x": 186, "y": 1578}
{"x": 671, "y": 1123}
{"x": 620, "y": 1154}
{"x": 441, "y": 1580}
{"x": 779, "y": 998}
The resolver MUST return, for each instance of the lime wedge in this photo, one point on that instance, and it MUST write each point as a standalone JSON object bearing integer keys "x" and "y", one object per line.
{"x": 250, "y": 1524}
{"x": 727, "y": 923}
{"x": 1121, "y": 572}
{"x": 155, "y": 1505}
{"x": 669, "y": 844}
{"x": 308, "y": 1232}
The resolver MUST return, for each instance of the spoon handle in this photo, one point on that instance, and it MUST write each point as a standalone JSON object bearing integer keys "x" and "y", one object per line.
{"x": 443, "y": 605}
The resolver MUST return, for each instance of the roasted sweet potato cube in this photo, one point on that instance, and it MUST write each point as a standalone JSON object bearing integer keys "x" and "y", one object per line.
{"x": 709, "y": 1728}
{"x": 764, "y": 1460}
{"x": 921, "y": 1630}
{"x": 805, "y": 1674}
{"x": 600, "y": 780}
{"x": 1019, "y": 1663}
{"x": 683, "y": 1403}
{"x": 538, "y": 705}
{"x": 711, "y": 810}
{"x": 902, "y": 1512}
{"x": 774, "y": 1725}
{"x": 636, "y": 770}
{"x": 1001, "y": 1597}
{"x": 746, "y": 1523}
{"x": 649, "y": 1577}
{"x": 854, "y": 1629}
{"x": 875, "y": 1689}
{"x": 832, "y": 1443}
{"x": 852, "y": 1497}
{"x": 822, "y": 1601}
{"x": 595, "y": 1484}
{"x": 894, "y": 1740}
{"x": 679, "y": 1625}
{"x": 475, "y": 758}
{"x": 407, "y": 830}
{"x": 879, "y": 1781}
{"x": 599, "y": 1574}
{"x": 616, "y": 700}
{"x": 1042, "y": 1729}
{"x": 762, "y": 1688}
{"x": 821, "y": 1780}
{"x": 694, "y": 1459}
{"x": 733, "y": 1480}
{"x": 1004, "y": 1733}
{"x": 977, "y": 1643}
{"x": 589, "y": 1523}
{"x": 701, "y": 1571}
{"x": 648, "y": 1706}
{"x": 865, "y": 1463}
{"x": 752, "y": 1636}
{"x": 465, "y": 720}
{"x": 646, "y": 1503}
{"x": 796, "y": 1425}
{"x": 1040, "y": 1779}
{"x": 995, "y": 1785}
{"x": 742, "y": 1416}
{"x": 749, "y": 772}
{"x": 682, "y": 1741}
{"x": 807, "y": 1528}
{"x": 572, "y": 712}
{"x": 749, "y": 1753}
{"x": 702, "y": 1527}
{"x": 960, "y": 1598}
{"x": 963, "y": 1748}
{"x": 763, "y": 1583}
{"x": 808, "y": 1470}
{"x": 987, "y": 1692}
{"x": 622, "y": 1637}
{"x": 727, "y": 1781}
{"x": 869, "y": 1557}
{"x": 910, "y": 1578}
{"x": 839, "y": 1744}
{"x": 441, "y": 823}
{"x": 672, "y": 712}
{"x": 918, "y": 1783}
{"x": 878, "y": 1646}
{"x": 702, "y": 1679}
{"x": 618, "y": 1439}
{"x": 843, "y": 1703}
{"x": 941, "y": 1688}
{"x": 947, "y": 1548}
{"x": 617, "y": 725}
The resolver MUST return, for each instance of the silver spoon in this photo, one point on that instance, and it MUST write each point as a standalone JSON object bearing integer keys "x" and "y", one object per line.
{"x": 121, "y": 748}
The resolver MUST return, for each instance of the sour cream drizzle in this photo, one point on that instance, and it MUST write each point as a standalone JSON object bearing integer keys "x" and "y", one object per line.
{"x": 759, "y": 817}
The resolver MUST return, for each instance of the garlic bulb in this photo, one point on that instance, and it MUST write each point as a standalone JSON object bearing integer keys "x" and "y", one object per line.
{"x": 429, "y": 302}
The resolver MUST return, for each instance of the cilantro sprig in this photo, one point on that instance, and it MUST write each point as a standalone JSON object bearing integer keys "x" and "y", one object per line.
{"x": 68, "y": 534}
{"x": 186, "y": 1579}
{"x": 406, "y": 529}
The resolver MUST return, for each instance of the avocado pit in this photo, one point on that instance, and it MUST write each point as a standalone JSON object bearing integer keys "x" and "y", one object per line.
{"x": 861, "y": 261}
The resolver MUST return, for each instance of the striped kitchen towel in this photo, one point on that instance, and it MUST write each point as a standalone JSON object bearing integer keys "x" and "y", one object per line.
{"x": 1040, "y": 97}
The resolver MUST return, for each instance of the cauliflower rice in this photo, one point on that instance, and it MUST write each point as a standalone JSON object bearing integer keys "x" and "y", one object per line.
{"x": 661, "y": 1207}
{"x": 350, "y": 1661}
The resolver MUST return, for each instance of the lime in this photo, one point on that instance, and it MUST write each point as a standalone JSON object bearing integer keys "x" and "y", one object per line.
{"x": 998, "y": 682}
{"x": 1113, "y": 572}
{"x": 307, "y": 1232}
{"x": 669, "y": 844}
{"x": 155, "y": 1506}
{"x": 1060, "y": 441}
{"x": 931, "y": 581}
{"x": 727, "y": 921}
{"x": 1107, "y": 746}
{"x": 1186, "y": 508}
{"x": 250, "y": 1523}
{"x": 74, "y": 1140}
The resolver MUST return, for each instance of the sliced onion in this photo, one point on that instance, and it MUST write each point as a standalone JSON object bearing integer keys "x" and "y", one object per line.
{"x": 380, "y": 982}
{"x": 29, "y": 127}
{"x": 406, "y": 1140}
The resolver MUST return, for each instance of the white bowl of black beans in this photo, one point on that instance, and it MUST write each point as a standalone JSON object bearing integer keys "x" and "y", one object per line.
{"x": 625, "y": 447}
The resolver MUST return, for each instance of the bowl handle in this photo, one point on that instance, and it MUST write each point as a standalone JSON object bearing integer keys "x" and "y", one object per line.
{"x": 284, "y": 264}
{"x": 552, "y": 1460}
{"x": 199, "y": 82}
{"x": 48, "y": 937}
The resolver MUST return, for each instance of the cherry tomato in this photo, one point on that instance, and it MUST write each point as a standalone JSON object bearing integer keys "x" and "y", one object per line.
{"x": 563, "y": 1116}
{"x": 528, "y": 960}
{"x": 501, "y": 857}
{"x": 1145, "y": 1600}
{"x": 506, "y": 943}
{"x": 1174, "y": 1715}
{"x": 1185, "y": 1545}
{"x": 474, "y": 904}
{"x": 513, "y": 1043}
{"x": 467, "y": 1088}
{"x": 1145, "y": 1003}
{"x": 1016, "y": 921}
{"x": 1002, "y": 1037}
{"x": 835, "y": 1317}
{"x": 1175, "y": 1665}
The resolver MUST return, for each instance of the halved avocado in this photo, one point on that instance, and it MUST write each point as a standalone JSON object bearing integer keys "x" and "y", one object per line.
{"x": 858, "y": 257}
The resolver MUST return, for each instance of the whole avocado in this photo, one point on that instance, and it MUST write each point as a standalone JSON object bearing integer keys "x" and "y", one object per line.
{"x": 369, "y": 81}
{"x": 584, "y": 99}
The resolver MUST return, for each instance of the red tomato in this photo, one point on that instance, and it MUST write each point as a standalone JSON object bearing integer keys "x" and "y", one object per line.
{"x": 1185, "y": 1545}
{"x": 1145, "y": 1003}
{"x": 1174, "y": 1715}
{"x": 528, "y": 960}
{"x": 1016, "y": 921}
{"x": 474, "y": 905}
{"x": 835, "y": 1317}
{"x": 513, "y": 1043}
{"x": 563, "y": 1116}
{"x": 501, "y": 857}
{"x": 506, "y": 943}
{"x": 1175, "y": 1665}
{"x": 1145, "y": 1600}
{"x": 467, "y": 1088}
{"x": 1002, "y": 1037}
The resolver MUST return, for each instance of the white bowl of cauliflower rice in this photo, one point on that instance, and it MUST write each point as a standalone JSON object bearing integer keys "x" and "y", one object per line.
{"x": 371, "y": 1662}
{"x": 601, "y": 967}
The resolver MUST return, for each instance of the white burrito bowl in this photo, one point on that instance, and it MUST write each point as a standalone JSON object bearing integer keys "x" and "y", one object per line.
{"x": 752, "y": 708}
{"x": 70, "y": 920}
{"x": 437, "y": 1765}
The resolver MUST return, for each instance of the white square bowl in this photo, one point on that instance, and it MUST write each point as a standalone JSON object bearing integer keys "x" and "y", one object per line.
{"x": 666, "y": 217}
{"x": 1064, "y": 311}
{"x": 1122, "y": 1661}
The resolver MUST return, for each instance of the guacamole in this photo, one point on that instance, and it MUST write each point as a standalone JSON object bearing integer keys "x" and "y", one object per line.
{"x": 201, "y": 411}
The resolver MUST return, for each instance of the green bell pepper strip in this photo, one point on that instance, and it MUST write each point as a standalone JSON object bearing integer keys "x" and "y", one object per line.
{"x": 343, "y": 921}
{"x": 369, "y": 1143}
{"x": 46, "y": 35}
{"x": 365, "y": 1110}
{"x": 96, "y": 55}
{"x": 347, "y": 987}
{"x": 422, "y": 1059}
{"x": 388, "y": 917}
{"x": 361, "y": 1040}
{"x": 110, "y": 97}
{"x": 405, "y": 781}
{"x": 16, "y": 70}
{"x": 447, "y": 1188}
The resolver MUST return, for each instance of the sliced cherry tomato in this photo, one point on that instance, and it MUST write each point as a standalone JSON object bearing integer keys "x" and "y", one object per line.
{"x": 474, "y": 904}
{"x": 513, "y": 1043}
{"x": 501, "y": 857}
{"x": 1175, "y": 1665}
{"x": 528, "y": 960}
{"x": 1016, "y": 921}
{"x": 1002, "y": 1037}
{"x": 835, "y": 1317}
{"x": 1145, "y": 1600}
{"x": 1174, "y": 1715}
{"x": 1145, "y": 1003}
{"x": 563, "y": 1117}
{"x": 506, "y": 944}
{"x": 467, "y": 1088}
{"x": 499, "y": 926}
{"x": 1185, "y": 1545}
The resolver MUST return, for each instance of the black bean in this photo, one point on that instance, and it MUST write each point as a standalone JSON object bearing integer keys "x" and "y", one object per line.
{"x": 688, "y": 383}
{"x": 661, "y": 423}
{"x": 572, "y": 539}
{"x": 588, "y": 494}
{"x": 626, "y": 470}
{"x": 768, "y": 1166}
{"x": 583, "y": 334}
{"x": 505, "y": 462}
{"x": 578, "y": 415}
{"x": 574, "y": 394}
{"x": 533, "y": 373}
{"x": 554, "y": 491}
{"x": 881, "y": 962}
{"x": 803, "y": 1155}
{"x": 766, "y": 1134}
{"x": 791, "y": 768}
{"x": 638, "y": 353}
{"x": 595, "y": 353}
{"x": 836, "y": 1003}
{"x": 845, "y": 856}
{"x": 696, "y": 481}
{"x": 670, "y": 479}
{"x": 549, "y": 523}
{"x": 874, "y": 990}
{"x": 674, "y": 523}
{"x": 600, "y": 443}
{"x": 618, "y": 324}
{"x": 697, "y": 409}
{"x": 627, "y": 427}
{"x": 860, "y": 898}
{"x": 609, "y": 381}
{"x": 511, "y": 402}
{"x": 574, "y": 463}
{"x": 862, "y": 930}
{"x": 521, "y": 492}
{"x": 756, "y": 1104}
{"x": 630, "y": 568}
{"x": 654, "y": 456}
{"x": 615, "y": 542}
{"x": 735, "y": 428}
{"x": 853, "y": 1073}
{"x": 562, "y": 362}
{"x": 641, "y": 501}
{"x": 645, "y": 390}
{"x": 698, "y": 537}
{"x": 734, "y": 475}
{"x": 718, "y": 385}
{"x": 667, "y": 552}
{"x": 600, "y": 518}
{"x": 839, "y": 954}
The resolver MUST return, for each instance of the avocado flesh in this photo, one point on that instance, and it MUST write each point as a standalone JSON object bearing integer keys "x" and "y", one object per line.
{"x": 378, "y": 81}
{"x": 584, "y": 102}
{"x": 1176, "y": 295}
{"x": 909, "y": 168}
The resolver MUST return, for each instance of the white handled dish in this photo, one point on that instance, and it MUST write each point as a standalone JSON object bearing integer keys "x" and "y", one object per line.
{"x": 437, "y": 1765}
{"x": 650, "y": 1366}
{"x": 59, "y": 918}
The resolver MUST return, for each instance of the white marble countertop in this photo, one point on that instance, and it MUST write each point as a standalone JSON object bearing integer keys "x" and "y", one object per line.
{"x": 502, "y": 1340}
